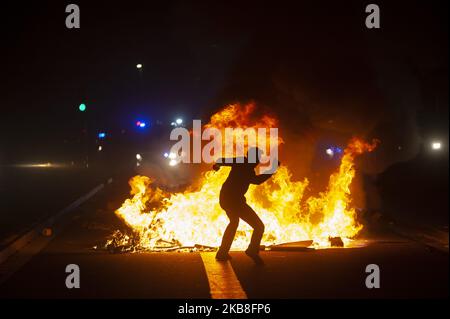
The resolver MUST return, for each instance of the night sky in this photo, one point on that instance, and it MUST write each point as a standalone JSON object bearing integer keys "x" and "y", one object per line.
{"x": 313, "y": 64}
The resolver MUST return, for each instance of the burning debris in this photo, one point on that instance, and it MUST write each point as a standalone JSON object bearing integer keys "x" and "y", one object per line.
{"x": 336, "y": 241}
{"x": 303, "y": 245}
{"x": 120, "y": 242}
{"x": 193, "y": 219}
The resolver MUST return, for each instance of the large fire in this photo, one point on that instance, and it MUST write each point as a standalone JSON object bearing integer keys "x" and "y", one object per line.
{"x": 162, "y": 219}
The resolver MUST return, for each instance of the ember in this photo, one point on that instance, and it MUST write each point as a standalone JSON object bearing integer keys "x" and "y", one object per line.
{"x": 336, "y": 242}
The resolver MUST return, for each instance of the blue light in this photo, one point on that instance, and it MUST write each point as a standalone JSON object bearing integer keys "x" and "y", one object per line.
{"x": 101, "y": 135}
{"x": 142, "y": 124}
{"x": 334, "y": 151}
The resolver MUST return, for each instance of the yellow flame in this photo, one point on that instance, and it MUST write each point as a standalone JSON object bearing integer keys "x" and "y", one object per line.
{"x": 192, "y": 217}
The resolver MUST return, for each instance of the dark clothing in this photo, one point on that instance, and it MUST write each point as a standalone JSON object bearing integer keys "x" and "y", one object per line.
{"x": 232, "y": 200}
{"x": 238, "y": 181}
{"x": 246, "y": 213}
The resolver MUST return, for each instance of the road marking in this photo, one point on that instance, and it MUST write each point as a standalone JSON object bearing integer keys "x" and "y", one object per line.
{"x": 223, "y": 283}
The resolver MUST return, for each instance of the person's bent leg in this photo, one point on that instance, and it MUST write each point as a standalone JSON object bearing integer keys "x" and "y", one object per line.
{"x": 228, "y": 237}
{"x": 251, "y": 218}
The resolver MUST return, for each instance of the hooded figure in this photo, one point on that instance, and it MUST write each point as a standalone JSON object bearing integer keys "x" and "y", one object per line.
{"x": 233, "y": 201}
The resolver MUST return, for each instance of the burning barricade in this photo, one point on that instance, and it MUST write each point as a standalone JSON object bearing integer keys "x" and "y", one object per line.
{"x": 193, "y": 220}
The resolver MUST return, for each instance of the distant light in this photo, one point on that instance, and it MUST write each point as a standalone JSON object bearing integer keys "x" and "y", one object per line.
{"x": 42, "y": 165}
{"x": 102, "y": 135}
{"x": 139, "y": 157}
{"x": 141, "y": 124}
{"x": 173, "y": 123}
{"x": 139, "y": 66}
{"x": 436, "y": 146}
{"x": 100, "y": 148}
{"x": 39, "y": 165}
{"x": 82, "y": 107}
{"x": 172, "y": 155}
{"x": 173, "y": 162}
{"x": 166, "y": 155}
{"x": 330, "y": 152}
{"x": 179, "y": 121}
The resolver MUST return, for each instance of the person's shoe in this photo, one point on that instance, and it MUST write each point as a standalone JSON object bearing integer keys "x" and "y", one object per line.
{"x": 223, "y": 257}
{"x": 254, "y": 255}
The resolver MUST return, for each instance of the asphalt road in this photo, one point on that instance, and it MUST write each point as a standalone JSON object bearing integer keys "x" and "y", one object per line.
{"x": 29, "y": 195}
{"x": 408, "y": 269}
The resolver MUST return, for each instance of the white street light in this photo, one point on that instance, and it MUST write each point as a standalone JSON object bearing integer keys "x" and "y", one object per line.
{"x": 139, "y": 66}
{"x": 329, "y": 152}
{"x": 179, "y": 121}
{"x": 173, "y": 162}
{"x": 436, "y": 146}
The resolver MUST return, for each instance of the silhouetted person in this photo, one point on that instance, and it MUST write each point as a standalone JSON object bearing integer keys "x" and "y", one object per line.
{"x": 233, "y": 201}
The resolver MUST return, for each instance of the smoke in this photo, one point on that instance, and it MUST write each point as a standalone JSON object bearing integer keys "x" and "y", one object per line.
{"x": 327, "y": 77}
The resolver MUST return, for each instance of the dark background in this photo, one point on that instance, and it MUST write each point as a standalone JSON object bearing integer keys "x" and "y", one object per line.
{"x": 313, "y": 64}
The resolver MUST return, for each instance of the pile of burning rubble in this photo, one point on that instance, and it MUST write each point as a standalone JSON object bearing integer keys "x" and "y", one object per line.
{"x": 193, "y": 220}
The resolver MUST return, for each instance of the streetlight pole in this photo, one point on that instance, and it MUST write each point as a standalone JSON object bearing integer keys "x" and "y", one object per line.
{"x": 83, "y": 108}
{"x": 140, "y": 69}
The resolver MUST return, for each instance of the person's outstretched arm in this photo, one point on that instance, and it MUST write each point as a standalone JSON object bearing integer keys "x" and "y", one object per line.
{"x": 259, "y": 179}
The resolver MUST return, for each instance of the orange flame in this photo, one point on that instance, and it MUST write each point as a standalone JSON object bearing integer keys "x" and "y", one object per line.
{"x": 194, "y": 217}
